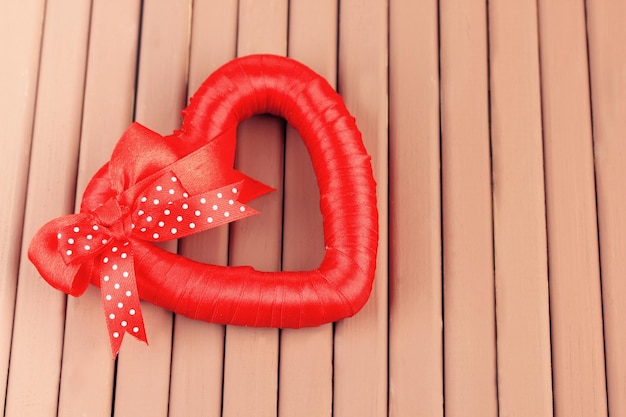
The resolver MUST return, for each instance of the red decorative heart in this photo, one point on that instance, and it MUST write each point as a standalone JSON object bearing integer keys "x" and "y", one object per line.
{"x": 159, "y": 188}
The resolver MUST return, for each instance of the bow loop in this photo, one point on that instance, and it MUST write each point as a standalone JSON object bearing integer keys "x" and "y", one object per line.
{"x": 48, "y": 251}
{"x": 82, "y": 240}
{"x": 166, "y": 211}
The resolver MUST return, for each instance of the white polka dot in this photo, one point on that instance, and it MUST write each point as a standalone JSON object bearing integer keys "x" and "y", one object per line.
{"x": 135, "y": 329}
{"x": 128, "y": 293}
{"x": 132, "y": 225}
{"x": 144, "y": 199}
{"x": 114, "y": 249}
{"x": 214, "y": 207}
{"x": 143, "y": 229}
{"x": 105, "y": 260}
{"x": 179, "y": 218}
{"x": 108, "y": 297}
{"x": 166, "y": 212}
{"x": 149, "y": 218}
{"x": 112, "y": 316}
{"x": 161, "y": 224}
{"x": 70, "y": 241}
{"x": 226, "y": 214}
{"x": 197, "y": 213}
{"x": 140, "y": 212}
{"x": 219, "y": 195}
{"x": 87, "y": 247}
{"x": 192, "y": 225}
{"x": 116, "y": 286}
{"x": 231, "y": 202}
{"x": 126, "y": 243}
{"x": 185, "y": 195}
{"x": 68, "y": 252}
{"x": 114, "y": 267}
{"x": 159, "y": 188}
{"x": 173, "y": 179}
{"x": 104, "y": 241}
{"x": 203, "y": 200}
{"x": 124, "y": 323}
{"x": 116, "y": 335}
{"x": 131, "y": 311}
{"x": 120, "y": 305}
{"x": 125, "y": 274}
{"x": 209, "y": 219}
{"x": 106, "y": 278}
{"x": 124, "y": 255}
{"x": 234, "y": 190}
{"x": 76, "y": 229}
{"x": 173, "y": 230}
{"x": 95, "y": 227}
{"x": 171, "y": 191}
{"x": 59, "y": 236}
{"x": 185, "y": 206}
{"x": 155, "y": 235}
{"x": 155, "y": 201}
{"x": 242, "y": 209}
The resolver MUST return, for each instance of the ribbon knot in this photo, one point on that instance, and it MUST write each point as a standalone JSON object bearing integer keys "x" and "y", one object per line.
{"x": 88, "y": 236}
{"x": 115, "y": 217}
{"x": 97, "y": 245}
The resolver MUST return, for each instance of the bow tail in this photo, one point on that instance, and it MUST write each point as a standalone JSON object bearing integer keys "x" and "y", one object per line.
{"x": 120, "y": 298}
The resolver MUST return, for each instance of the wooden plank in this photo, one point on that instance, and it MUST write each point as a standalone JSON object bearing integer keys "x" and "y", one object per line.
{"x": 87, "y": 368}
{"x": 143, "y": 373}
{"x": 469, "y": 310}
{"x": 360, "y": 374}
{"x": 575, "y": 300}
{"x": 251, "y": 359}
{"x": 415, "y": 307}
{"x": 306, "y": 355}
{"x": 521, "y": 264}
{"x": 33, "y": 386}
{"x": 198, "y": 347}
{"x": 18, "y": 83}
{"x": 607, "y": 57}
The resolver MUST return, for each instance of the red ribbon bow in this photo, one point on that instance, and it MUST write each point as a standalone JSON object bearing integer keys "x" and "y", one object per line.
{"x": 151, "y": 201}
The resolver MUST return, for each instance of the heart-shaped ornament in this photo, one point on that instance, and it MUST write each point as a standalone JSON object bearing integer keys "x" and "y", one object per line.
{"x": 158, "y": 188}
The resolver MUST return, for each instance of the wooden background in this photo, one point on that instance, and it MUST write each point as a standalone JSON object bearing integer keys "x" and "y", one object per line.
{"x": 498, "y": 137}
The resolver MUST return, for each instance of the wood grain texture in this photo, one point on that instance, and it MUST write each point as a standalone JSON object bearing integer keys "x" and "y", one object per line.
{"x": 607, "y": 58}
{"x": 306, "y": 355}
{"x": 360, "y": 374}
{"x": 521, "y": 264}
{"x": 251, "y": 358}
{"x": 40, "y": 310}
{"x": 18, "y": 83}
{"x": 575, "y": 300}
{"x": 87, "y": 369}
{"x": 415, "y": 299}
{"x": 198, "y": 347}
{"x": 469, "y": 310}
{"x": 143, "y": 372}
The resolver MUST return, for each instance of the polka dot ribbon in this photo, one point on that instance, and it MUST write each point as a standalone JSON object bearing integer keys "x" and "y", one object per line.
{"x": 97, "y": 245}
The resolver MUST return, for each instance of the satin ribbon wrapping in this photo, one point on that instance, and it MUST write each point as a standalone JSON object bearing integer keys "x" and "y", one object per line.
{"x": 158, "y": 188}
